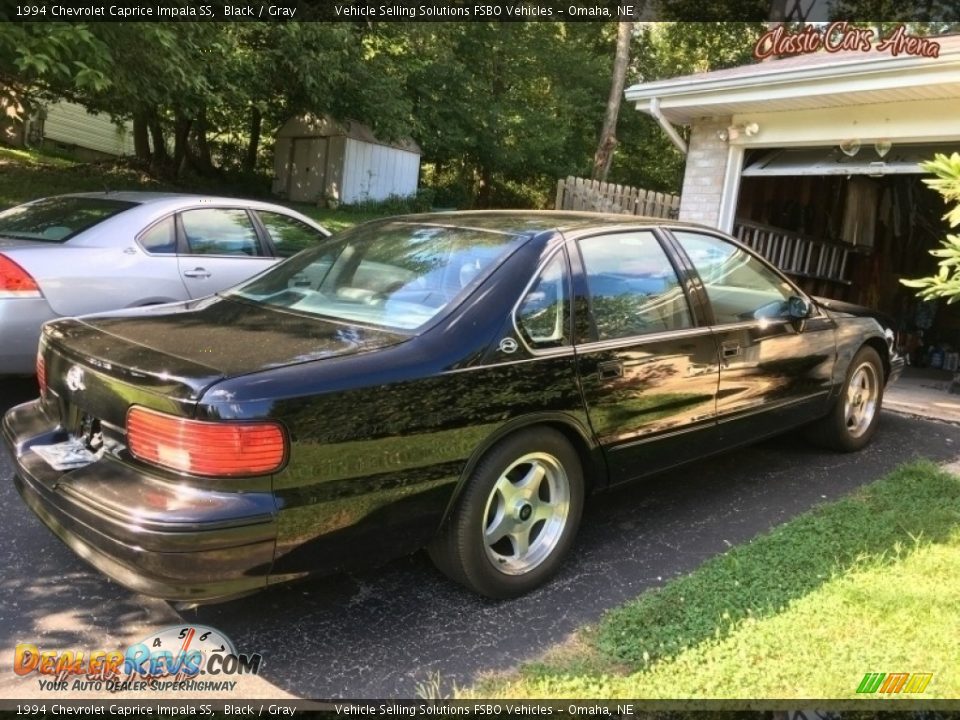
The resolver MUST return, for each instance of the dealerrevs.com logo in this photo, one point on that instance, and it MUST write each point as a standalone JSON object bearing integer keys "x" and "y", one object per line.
{"x": 893, "y": 683}
{"x": 180, "y": 657}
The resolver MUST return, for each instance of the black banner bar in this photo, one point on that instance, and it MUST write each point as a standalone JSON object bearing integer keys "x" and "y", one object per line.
{"x": 940, "y": 14}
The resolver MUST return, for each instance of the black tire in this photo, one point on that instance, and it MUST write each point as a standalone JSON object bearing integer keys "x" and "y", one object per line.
{"x": 467, "y": 550}
{"x": 843, "y": 429}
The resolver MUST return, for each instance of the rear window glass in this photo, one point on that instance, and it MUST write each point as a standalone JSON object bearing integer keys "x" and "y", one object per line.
{"x": 393, "y": 274}
{"x": 57, "y": 220}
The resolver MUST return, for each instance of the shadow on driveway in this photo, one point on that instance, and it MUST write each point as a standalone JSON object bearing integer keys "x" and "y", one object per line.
{"x": 380, "y": 633}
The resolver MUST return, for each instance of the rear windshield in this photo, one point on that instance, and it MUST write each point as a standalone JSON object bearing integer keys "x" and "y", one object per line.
{"x": 395, "y": 274}
{"x": 56, "y": 220}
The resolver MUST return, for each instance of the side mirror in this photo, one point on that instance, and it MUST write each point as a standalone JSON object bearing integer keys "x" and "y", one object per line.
{"x": 798, "y": 308}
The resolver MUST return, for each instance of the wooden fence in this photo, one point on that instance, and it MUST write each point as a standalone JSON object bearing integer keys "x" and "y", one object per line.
{"x": 575, "y": 193}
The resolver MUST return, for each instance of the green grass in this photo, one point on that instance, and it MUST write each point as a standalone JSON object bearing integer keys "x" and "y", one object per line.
{"x": 30, "y": 174}
{"x": 336, "y": 220}
{"x": 866, "y": 584}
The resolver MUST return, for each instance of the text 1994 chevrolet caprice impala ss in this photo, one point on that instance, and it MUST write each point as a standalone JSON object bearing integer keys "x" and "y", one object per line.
{"x": 456, "y": 381}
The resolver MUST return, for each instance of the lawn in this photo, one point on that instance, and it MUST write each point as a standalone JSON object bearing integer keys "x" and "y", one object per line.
{"x": 865, "y": 584}
{"x": 30, "y": 174}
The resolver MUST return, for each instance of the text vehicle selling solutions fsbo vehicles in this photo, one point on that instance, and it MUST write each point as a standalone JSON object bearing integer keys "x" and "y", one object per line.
{"x": 457, "y": 381}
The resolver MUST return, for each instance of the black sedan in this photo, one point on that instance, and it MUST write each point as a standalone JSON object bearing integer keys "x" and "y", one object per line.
{"x": 456, "y": 381}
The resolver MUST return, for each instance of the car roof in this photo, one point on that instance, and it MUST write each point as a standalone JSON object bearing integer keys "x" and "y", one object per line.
{"x": 526, "y": 221}
{"x": 151, "y": 205}
{"x": 172, "y": 200}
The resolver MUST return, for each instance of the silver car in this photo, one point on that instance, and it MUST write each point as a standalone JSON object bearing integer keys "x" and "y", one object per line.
{"x": 89, "y": 252}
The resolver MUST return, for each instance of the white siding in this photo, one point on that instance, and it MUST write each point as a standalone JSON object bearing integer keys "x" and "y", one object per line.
{"x": 71, "y": 124}
{"x": 374, "y": 172}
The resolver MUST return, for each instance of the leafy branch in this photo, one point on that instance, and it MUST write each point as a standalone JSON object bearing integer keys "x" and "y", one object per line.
{"x": 946, "y": 282}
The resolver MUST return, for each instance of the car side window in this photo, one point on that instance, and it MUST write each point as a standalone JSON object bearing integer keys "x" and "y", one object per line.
{"x": 543, "y": 316}
{"x": 634, "y": 289}
{"x": 220, "y": 231}
{"x": 739, "y": 286}
{"x": 288, "y": 234}
{"x": 160, "y": 238}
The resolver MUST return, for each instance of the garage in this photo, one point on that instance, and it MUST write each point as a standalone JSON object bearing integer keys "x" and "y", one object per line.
{"x": 814, "y": 161}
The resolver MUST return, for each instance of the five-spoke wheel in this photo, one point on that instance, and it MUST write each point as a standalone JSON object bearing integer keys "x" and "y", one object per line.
{"x": 526, "y": 513}
{"x": 853, "y": 418}
{"x": 860, "y": 399}
{"x": 516, "y": 517}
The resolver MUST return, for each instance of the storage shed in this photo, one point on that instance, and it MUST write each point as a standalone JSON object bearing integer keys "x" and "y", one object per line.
{"x": 317, "y": 159}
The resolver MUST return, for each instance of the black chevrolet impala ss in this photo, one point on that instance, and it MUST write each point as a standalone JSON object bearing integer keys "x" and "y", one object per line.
{"x": 456, "y": 381}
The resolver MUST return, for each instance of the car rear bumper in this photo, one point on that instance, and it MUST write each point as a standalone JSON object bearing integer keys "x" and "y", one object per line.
{"x": 20, "y": 321}
{"x": 157, "y": 537}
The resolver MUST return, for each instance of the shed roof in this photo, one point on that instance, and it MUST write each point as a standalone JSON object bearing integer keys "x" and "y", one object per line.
{"x": 803, "y": 82}
{"x": 310, "y": 125}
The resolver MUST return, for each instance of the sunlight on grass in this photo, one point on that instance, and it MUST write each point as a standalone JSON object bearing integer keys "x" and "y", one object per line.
{"x": 866, "y": 584}
{"x": 334, "y": 220}
{"x": 26, "y": 156}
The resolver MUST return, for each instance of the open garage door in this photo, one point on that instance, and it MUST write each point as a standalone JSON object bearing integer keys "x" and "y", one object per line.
{"x": 850, "y": 227}
{"x": 866, "y": 160}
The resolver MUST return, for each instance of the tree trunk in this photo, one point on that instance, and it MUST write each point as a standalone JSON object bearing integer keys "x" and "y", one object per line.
{"x": 181, "y": 134}
{"x": 141, "y": 136}
{"x": 608, "y": 135}
{"x": 256, "y": 122}
{"x": 202, "y": 162}
{"x": 160, "y": 155}
{"x": 485, "y": 191}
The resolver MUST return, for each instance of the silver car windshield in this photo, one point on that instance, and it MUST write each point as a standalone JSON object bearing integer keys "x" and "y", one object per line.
{"x": 58, "y": 219}
{"x": 395, "y": 274}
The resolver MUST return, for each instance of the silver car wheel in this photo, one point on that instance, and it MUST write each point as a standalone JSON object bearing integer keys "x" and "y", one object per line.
{"x": 860, "y": 401}
{"x": 526, "y": 513}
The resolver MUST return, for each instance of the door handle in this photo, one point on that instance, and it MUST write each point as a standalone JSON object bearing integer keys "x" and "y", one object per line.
{"x": 730, "y": 350}
{"x": 197, "y": 273}
{"x": 610, "y": 369}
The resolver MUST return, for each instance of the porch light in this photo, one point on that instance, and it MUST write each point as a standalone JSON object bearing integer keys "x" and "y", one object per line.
{"x": 735, "y": 131}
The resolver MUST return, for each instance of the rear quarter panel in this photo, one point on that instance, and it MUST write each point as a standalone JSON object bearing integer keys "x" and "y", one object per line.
{"x": 80, "y": 280}
{"x": 381, "y": 441}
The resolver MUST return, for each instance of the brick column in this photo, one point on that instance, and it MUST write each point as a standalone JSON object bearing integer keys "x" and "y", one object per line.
{"x": 705, "y": 171}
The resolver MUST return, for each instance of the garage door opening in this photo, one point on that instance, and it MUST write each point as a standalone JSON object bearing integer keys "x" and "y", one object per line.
{"x": 849, "y": 228}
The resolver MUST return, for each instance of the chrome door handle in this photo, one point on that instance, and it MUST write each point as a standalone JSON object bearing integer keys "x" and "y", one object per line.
{"x": 197, "y": 273}
{"x": 610, "y": 370}
{"x": 730, "y": 349}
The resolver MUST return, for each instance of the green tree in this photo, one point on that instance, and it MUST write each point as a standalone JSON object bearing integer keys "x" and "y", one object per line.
{"x": 645, "y": 156}
{"x": 946, "y": 283}
{"x": 502, "y": 109}
{"x": 50, "y": 59}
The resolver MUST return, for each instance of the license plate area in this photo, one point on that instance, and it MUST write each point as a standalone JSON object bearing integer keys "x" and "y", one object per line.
{"x": 83, "y": 447}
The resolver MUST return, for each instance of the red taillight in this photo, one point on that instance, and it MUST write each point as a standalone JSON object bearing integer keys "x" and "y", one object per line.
{"x": 229, "y": 449}
{"x": 15, "y": 281}
{"x": 41, "y": 374}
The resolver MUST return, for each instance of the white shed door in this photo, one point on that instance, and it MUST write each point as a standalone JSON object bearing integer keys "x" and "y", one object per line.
{"x": 307, "y": 173}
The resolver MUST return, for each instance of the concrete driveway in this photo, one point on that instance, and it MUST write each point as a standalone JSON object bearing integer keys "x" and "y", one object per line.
{"x": 382, "y": 632}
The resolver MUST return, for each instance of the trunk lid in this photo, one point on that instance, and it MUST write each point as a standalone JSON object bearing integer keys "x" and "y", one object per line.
{"x": 165, "y": 356}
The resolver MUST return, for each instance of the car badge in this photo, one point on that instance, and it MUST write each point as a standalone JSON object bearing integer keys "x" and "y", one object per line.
{"x": 508, "y": 345}
{"x": 75, "y": 379}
